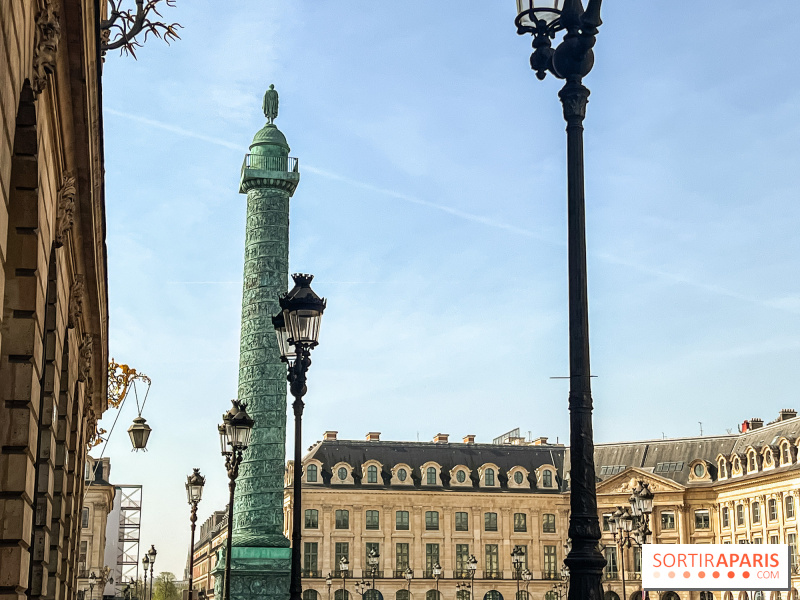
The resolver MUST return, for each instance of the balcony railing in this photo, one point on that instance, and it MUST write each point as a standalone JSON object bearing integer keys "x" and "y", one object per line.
{"x": 463, "y": 574}
{"x": 367, "y": 574}
{"x": 634, "y": 576}
{"x": 270, "y": 163}
{"x": 311, "y": 573}
{"x": 492, "y": 575}
{"x": 399, "y": 574}
{"x": 551, "y": 575}
{"x": 610, "y": 575}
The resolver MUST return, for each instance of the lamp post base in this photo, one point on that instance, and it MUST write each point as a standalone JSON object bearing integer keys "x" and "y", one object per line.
{"x": 258, "y": 573}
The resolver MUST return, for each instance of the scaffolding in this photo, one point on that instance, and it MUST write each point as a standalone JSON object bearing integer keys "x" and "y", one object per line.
{"x": 130, "y": 520}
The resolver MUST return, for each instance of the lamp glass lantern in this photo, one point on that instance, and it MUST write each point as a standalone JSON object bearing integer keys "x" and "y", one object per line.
{"x": 344, "y": 565}
{"x": 516, "y": 557}
{"x": 194, "y": 487}
{"x": 437, "y": 570}
{"x": 139, "y": 433}
{"x": 626, "y": 521}
{"x": 145, "y": 562}
{"x": 152, "y": 554}
{"x": 329, "y": 581}
{"x": 409, "y": 574}
{"x": 225, "y": 445}
{"x": 372, "y": 558}
{"x": 645, "y": 499}
{"x": 302, "y": 311}
{"x": 238, "y": 425}
{"x": 531, "y": 11}
{"x": 285, "y": 346}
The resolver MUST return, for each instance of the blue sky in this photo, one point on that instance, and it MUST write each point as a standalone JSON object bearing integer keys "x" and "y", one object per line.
{"x": 432, "y": 211}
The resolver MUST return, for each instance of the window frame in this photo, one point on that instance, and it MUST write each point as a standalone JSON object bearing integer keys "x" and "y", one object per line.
{"x": 548, "y": 523}
{"x": 461, "y": 521}
{"x": 431, "y": 523}
{"x": 490, "y": 521}
{"x": 702, "y": 519}
{"x": 520, "y": 522}
{"x": 311, "y": 516}
{"x": 671, "y": 515}
{"x": 342, "y": 516}
{"x": 398, "y": 521}
{"x": 372, "y": 520}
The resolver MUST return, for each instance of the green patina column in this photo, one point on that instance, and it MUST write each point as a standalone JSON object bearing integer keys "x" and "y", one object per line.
{"x": 261, "y": 555}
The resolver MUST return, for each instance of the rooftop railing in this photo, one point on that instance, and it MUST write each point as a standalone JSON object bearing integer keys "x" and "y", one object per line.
{"x": 287, "y": 164}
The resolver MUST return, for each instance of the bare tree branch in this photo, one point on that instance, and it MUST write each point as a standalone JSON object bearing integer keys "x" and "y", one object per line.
{"x": 125, "y": 25}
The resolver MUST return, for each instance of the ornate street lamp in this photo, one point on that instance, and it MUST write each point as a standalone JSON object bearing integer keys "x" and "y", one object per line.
{"x": 630, "y": 526}
{"x": 526, "y": 577}
{"x": 297, "y": 328}
{"x": 329, "y": 583}
{"x": 344, "y": 565}
{"x": 194, "y": 492}
{"x": 139, "y": 433}
{"x": 234, "y": 437}
{"x": 472, "y": 566}
{"x": 151, "y": 554}
{"x": 517, "y": 556}
{"x": 145, "y": 565}
{"x": 437, "y": 573}
{"x": 572, "y": 60}
{"x": 92, "y": 581}
{"x": 362, "y": 587}
{"x": 409, "y": 574}
{"x": 373, "y": 559}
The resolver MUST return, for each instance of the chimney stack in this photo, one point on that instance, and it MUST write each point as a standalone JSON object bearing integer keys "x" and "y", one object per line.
{"x": 756, "y": 423}
{"x": 786, "y": 414}
{"x": 441, "y": 438}
{"x": 374, "y": 436}
{"x": 329, "y": 436}
{"x": 469, "y": 438}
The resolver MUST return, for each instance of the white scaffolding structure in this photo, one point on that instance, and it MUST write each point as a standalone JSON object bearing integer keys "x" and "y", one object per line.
{"x": 130, "y": 520}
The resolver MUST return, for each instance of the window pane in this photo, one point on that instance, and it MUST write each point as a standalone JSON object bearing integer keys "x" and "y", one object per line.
{"x": 432, "y": 520}
{"x": 489, "y": 474}
{"x": 462, "y": 521}
{"x": 312, "y": 518}
{"x": 520, "y": 522}
{"x": 401, "y": 557}
{"x": 462, "y": 554}
{"x": 701, "y": 519}
{"x": 548, "y": 523}
{"x": 372, "y": 474}
{"x": 547, "y": 479}
{"x": 667, "y": 520}
{"x": 311, "y": 473}
{"x": 310, "y": 558}
{"x": 490, "y": 521}
{"x": 549, "y": 569}
{"x": 431, "y": 476}
{"x": 401, "y": 520}
{"x": 492, "y": 559}
{"x": 431, "y": 557}
{"x": 373, "y": 519}
{"x": 342, "y": 519}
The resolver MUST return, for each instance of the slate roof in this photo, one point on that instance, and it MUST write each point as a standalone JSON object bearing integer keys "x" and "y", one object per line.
{"x": 448, "y": 455}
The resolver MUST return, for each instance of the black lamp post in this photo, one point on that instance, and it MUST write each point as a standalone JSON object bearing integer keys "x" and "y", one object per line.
{"x": 362, "y": 587}
{"x": 437, "y": 573}
{"x": 151, "y": 554}
{"x": 526, "y": 577}
{"x": 344, "y": 565}
{"x": 409, "y": 576}
{"x": 572, "y": 60}
{"x": 297, "y": 328}
{"x": 632, "y": 526}
{"x": 194, "y": 492}
{"x": 472, "y": 565}
{"x": 234, "y": 437}
{"x": 329, "y": 583}
{"x": 145, "y": 565}
{"x": 373, "y": 559}
{"x": 517, "y": 555}
{"x": 92, "y": 581}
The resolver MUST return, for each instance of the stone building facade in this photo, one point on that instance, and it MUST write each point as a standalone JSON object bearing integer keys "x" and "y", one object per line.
{"x": 53, "y": 279}
{"x": 97, "y": 505}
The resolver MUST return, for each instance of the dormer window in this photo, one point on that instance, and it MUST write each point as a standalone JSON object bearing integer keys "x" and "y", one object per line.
{"x": 489, "y": 475}
{"x": 372, "y": 474}
{"x": 786, "y": 455}
{"x": 342, "y": 473}
{"x": 431, "y": 476}
{"x": 311, "y": 473}
{"x": 751, "y": 462}
{"x": 547, "y": 478}
{"x": 723, "y": 469}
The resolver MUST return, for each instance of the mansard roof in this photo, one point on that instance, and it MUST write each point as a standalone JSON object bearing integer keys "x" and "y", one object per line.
{"x": 447, "y": 455}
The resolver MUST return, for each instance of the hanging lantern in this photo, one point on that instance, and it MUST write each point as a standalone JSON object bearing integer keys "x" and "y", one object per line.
{"x": 139, "y": 432}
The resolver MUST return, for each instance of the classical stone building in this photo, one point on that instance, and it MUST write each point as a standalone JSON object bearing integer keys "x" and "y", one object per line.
{"x": 97, "y": 504}
{"x": 54, "y": 316}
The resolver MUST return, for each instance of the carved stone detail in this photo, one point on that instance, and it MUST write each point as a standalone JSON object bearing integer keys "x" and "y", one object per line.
{"x": 66, "y": 209}
{"x": 48, "y": 32}
{"x": 85, "y": 358}
{"x": 75, "y": 311}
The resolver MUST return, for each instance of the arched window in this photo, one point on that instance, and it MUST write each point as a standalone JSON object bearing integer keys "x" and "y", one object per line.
{"x": 431, "y": 476}
{"x": 636, "y": 595}
{"x": 311, "y": 476}
{"x": 786, "y": 456}
{"x": 489, "y": 475}
{"x": 706, "y": 596}
{"x": 522, "y": 595}
{"x": 493, "y": 595}
{"x": 723, "y": 470}
{"x": 341, "y": 595}
{"x": 373, "y": 595}
{"x": 463, "y": 595}
{"x": 402, "y": 595}
{"x": 728, "y": 596}
{"x": 551, "y": 595}
{"x": 372, "y": 474}
{"x": 432, "y": 595}
{"x": 310, "y": 595}
{"x": 547, "y": 478}
{"x": 610, "y": 595}
{"x": 670, "y": 596}
{"x": 751, "y": 462}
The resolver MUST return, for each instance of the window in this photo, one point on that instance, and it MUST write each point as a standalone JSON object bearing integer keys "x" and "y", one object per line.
{"x": 751, "y": 462}
{"x": 462, "y": 521}
{"x": 791, "y": 540}
{"x": 311, "y": 473}
{"x": 667, "y": 520}
{"x": 312, "y": 518}
{"x": 431, "y": 520}
{"x": 431, "y": 476}
{"x": 773, "y": 509}
{"x": 789, "y": 501}
{"x": 310, "y": 553}
{"x": 373, "y": 520}
{"x": 372, "y": 474}
{"x": 490, "y": 521}
{"x": 402, "y": 595}
{"x": 611, "y": 469}
{"x": 547, "y": 478}
{"x": 610, "y": 570}
{"x": 402, "y": 474}
{"x": 706, "y": 596}
{"x": 524, "y": 550}
{"x": 520, "y": 522}
{"x": 493, "y": 595}
{"x": 518, "y": 477}
{"x": 492, "y": 559}
{"x": 699, "y": 470}
{"x": 489, "y": 477}
{"x": 755, "y": 509}
{"x": 341, "y": 594}
{"x": 701, "y": 519}
{"x": 607, "y": 522}
{"x": 726, "y": 517}
{"x": 461, "y": 476}
{"x": 740, "y": 515}
{"x": 757, "y": 540}
{"x": 773, "y": 539}
{"x": 668, "y": 467}
{"x": 548, "y": 523}
{"x": 549, "y": 569}
{"x": 342, "y": 519}
{"x": 637, "y": 559}
{"x": 431, "y": 557}
{"x": 401, "y": 520}
{"x": 433, "y": 595}
{"x": 82, "y": 559}
{"x": 723, "y": 469}
{"x": 341, "y": 549}
{"x": 786, "y": 455}
{"x": 342, "y": 473}
{"x": 462, "y": 554}
{"x": 369, "y": 547}
{"x": 310, "y": 595}
{"x": 400, "y": 557}
{"x": 84, "y": 518}
{"x": 463, "y": 595}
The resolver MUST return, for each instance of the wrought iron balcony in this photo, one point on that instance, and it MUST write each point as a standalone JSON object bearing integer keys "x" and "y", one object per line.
{"x": 399, "y": 574}
{"x": 311, "y": 573}
{"x": 610, "y": 575}
{"x": 551, "y": 575}
{"x": 286, "y": 164}
{"x": 492, "y": 575}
